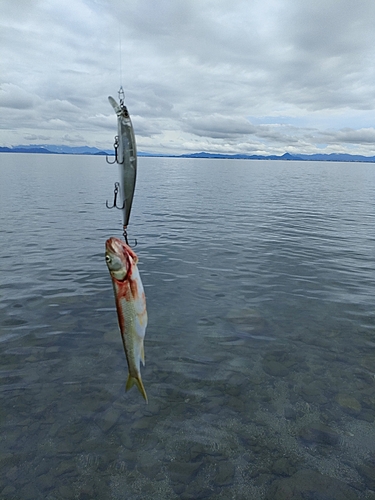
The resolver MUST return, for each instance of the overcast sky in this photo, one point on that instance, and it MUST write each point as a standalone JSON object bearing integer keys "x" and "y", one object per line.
{"x": 229, "y": 76}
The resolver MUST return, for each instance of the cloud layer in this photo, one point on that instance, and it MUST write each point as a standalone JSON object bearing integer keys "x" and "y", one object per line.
{"x": 258, "y": 76}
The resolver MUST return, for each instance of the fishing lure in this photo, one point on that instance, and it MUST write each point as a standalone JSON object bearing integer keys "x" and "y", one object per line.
{"x": 126, "y": 157}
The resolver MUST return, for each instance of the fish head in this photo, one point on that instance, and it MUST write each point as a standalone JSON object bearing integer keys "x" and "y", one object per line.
{"x": 119, "y": 258}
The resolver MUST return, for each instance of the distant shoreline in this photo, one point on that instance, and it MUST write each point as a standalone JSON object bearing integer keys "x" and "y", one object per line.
{"x": 85, "y": 150}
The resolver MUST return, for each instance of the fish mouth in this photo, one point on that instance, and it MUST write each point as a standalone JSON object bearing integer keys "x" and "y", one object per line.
{"x": 116, "y": 259}
{"x": 114, "y": 245}
{"x": 118, "y": 248}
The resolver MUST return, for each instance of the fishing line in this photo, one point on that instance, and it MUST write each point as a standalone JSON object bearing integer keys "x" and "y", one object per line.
{"x": 120, "y": 53}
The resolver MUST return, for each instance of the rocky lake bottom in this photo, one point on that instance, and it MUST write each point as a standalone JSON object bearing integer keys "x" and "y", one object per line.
{"x": 229, "y": 424}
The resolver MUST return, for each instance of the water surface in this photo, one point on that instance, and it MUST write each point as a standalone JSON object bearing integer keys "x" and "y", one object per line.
{"x": 260, "y": 349}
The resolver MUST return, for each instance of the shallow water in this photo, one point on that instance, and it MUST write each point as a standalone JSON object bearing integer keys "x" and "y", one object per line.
{"x": 260, "y": 349}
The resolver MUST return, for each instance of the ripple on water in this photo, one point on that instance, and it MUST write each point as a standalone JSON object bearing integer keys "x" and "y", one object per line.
{"x": 259, "y": 355}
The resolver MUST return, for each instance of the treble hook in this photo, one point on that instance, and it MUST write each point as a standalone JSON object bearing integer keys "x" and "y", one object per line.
{"x": 115, "y": 145}
{"x": 115, "y": 193}
{"x": 125, "y": 235}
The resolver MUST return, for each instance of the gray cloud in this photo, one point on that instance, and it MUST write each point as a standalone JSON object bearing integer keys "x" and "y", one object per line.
{"x": 14, "y": 97}
{"x": 35, "y": 137}
{"x": 260, "y": 75}
{"x": 219, "y": 126}
{"x": 349, "y": 136}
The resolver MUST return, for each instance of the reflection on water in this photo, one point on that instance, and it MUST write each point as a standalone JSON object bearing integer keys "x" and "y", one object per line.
{"x": 260, "y": 350}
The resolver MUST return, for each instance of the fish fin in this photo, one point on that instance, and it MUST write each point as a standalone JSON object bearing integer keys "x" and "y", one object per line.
{"x": 143, "y": 354}
{"x": 138, "y": 382}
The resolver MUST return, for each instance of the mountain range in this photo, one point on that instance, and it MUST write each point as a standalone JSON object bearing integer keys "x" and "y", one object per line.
{"x": 86, "y": 150}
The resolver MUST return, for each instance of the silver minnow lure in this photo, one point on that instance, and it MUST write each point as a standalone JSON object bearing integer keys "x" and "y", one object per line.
{"x": 126, "y": 157}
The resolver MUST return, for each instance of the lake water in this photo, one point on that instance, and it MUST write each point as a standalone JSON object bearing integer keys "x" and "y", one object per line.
{"x": 260, "y": 349}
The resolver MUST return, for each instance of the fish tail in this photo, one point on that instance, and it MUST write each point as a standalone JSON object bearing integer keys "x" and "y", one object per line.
{"x": 138, "y": 382}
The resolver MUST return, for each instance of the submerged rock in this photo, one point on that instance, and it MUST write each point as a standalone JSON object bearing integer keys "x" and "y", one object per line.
{"x": 349, "y": 403}
{"x": 290, "y": 413}
{"x": 183, "y": 472}
{"x": 283, "y": 467}
{"x": 319, "y": 433}
{"x": 309, "y": 484}
{"x": 368, "y": 474}
{"x": 224, "y": 473}
{"x": 275, "y": 368}
{"x": 280, "y": 363}
{"x": 108, "y": 419}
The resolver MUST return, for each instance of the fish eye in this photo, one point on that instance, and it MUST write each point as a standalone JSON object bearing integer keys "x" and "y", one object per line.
{"x": 108, "y": 258}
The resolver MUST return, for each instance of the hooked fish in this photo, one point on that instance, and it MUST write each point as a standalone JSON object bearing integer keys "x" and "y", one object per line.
{"x": 127, "y": 156}
{"x": 131, "y": 306}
